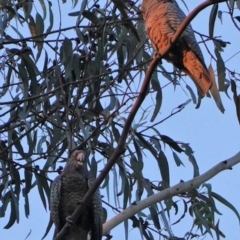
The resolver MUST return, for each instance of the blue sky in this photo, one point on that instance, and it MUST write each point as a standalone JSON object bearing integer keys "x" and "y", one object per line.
{"x": 212, "y": 135}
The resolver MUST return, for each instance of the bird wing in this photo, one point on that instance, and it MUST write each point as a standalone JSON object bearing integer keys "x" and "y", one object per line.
{"x": 54, "y": 202}
{"x": 175, "y": 17}
{"x": 162, "y": 19}
{"x": 193, "y": 61}
{"x": 96, "y": 231}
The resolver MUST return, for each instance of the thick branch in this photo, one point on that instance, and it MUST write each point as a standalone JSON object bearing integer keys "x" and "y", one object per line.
{"x": 142, "y": 94}
{"x": 170, "y": 192}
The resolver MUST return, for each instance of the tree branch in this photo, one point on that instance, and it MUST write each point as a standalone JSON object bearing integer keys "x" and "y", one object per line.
{"x": 170, "y": 192}
{"x": 142, "y": 94}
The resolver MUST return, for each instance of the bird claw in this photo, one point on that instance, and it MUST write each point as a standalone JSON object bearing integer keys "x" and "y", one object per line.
{"x": 69, "y": 220}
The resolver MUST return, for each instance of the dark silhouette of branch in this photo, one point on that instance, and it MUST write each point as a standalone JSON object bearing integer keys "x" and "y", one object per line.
{"x": 142, "y": 94}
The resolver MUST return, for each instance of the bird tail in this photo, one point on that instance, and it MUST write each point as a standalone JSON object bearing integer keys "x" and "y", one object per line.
{"x": 197, "y": 70}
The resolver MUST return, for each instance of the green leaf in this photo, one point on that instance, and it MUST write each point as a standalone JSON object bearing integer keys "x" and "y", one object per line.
{"x": 83, "y": 7}
{"x": 44, "y": 183}
{"x": 210, "y": 202}
{"x": 92, "y": 17}
{"x": 164, "y": 168}
{"x": 18, "y": 144}
{"x": 150, "y": 235}
{"x": 26, "y": 203}
{"x": 5, "y": 201}
{"x": 184, "y": 212}
{"x": 66, "y": 51}
{"x": 115, "y": 186}
{"x": 237, "y": 103}
{"x": 164, "y": 218}
{"x": 41, "y": 141}
{"x": 194, "y": 99}
{"x": 177, "y": 159}
{"x": 183, "y": 105}
{"x": 156, "y": 87}
{"x": 76, "y": 66}
{"x": 28, "y": 179}
{"x": 189, "y": 152}
{"x": 4, "y": 177}
{"x": 139, "y": 155}
{"x": 32, "y": 26}
{"x": 226, "y": 203}
{"x": 80, "y": 35}
{"x": 39, "y": 31}
{"x": 14, "y": 215}
{"x": 50, "y": 223}
{"x": 220, "y": 15}
{"x": 195, "y": 166}
{"x": 104, "y": 214}
{"x": 113, "y": 101}
{"x": 27, "y": 9}
{"x": 220, "y": 70}
{"x": 209, "y": 188}
{"x": 122, "y": 8}
{"x": 51, "y": 18}
{"x": 41, "y": 182}
{"x": 24, "y": 77}
{"x": 214, "y": 91}
{"x": 18, "y": 33}
{"x": 115, "y": 131}
{"x": 236, "y": 99}
{"x": 32, "y": 71}
{"x": 212, "y": 20}
{"x": 16, "y": 178}
{"x": 156, "y": 143}
{"x": 202, "y": 220}
{"x": 154, "y": 215}
{"x": 169, "y": 141}
{"x": 127, "y": 192}
{"x": 105, "y": 184}
{"x": 42, "y": 3}
{"x": 120, "y": 54}
{"x": 135, "y": 164}
{"x": 93, "y": 167}
{"x": 39, "y": 24}
{"x": 160, "y": 157}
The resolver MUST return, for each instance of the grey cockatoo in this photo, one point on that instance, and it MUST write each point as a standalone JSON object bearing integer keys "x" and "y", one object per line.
{"x": 162, "y": 19}
{"x": 67, "y": 191}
